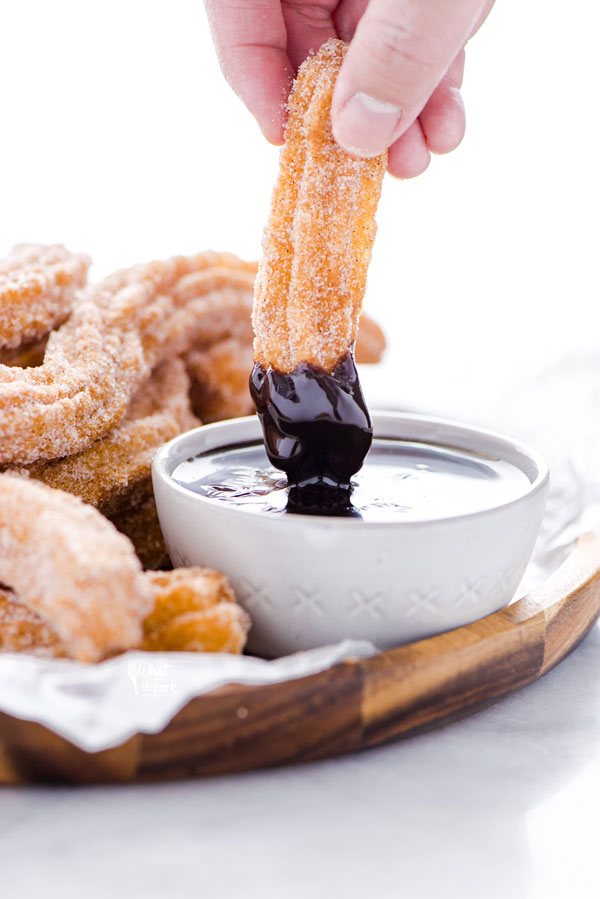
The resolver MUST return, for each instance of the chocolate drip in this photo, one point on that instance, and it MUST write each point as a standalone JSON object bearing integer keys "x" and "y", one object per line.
{"x": 316, "y": 428}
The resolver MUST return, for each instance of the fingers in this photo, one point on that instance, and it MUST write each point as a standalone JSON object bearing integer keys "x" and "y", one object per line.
{"x": 409, "y": 156}
{"x": 398, "y": 56}
{"x": 308, "y": 25}
{"x": 347, "y": 16}
{"x": 250, "y": 38}
{"x": 443, "y": 118}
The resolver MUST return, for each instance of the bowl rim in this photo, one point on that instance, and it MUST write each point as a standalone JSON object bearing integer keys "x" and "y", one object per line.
{"x": 170, "y": 455}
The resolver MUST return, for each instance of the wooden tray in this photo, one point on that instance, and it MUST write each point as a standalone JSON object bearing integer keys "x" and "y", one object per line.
{"x": 351, "y": 706}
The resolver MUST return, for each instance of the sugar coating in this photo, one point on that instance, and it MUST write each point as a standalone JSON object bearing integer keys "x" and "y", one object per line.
{"x": 71, "y": 566}
{"x": 38, "y": 287}
{"x": 113, "y": 466}
{"x": 318, "y": 240}
{"x": 23, "y": 630}
{"x": 219, "y": 379}
{"x": 119, "y": 330}
{"x": 194, "y": 611}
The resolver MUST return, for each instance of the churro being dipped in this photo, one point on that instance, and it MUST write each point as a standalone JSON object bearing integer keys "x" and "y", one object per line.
{"x": 309, "y": 290}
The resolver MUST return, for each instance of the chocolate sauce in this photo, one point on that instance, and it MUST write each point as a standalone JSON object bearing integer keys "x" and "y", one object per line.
{"x": 316, "y": 429}
{"x": 400, "y": 480}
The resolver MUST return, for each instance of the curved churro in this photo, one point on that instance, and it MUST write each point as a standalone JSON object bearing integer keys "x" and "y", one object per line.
{"x": 194, "y": 611}
{"x": 219, "y": 372}
{"x": 109, "y": 470}
{"x": 219, "y": 380}
{"x": 23, "y": 630}
{"x": 370, "y": 341}
{"x": 113, "y": 474}
{"x": 120, "y": 329}
{"x": 37, "y": 291}
{"x": 309, "y": 289}
{"x": 72, "y": 567}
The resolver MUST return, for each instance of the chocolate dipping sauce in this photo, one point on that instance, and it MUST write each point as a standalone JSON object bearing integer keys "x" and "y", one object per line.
{"x": 316, "y": 428}
{"x": 400, "y": 480}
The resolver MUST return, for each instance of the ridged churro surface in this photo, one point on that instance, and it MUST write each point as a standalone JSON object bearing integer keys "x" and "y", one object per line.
{"x": 71, "y": 566}
{"x": 117, "y": 462}
{"x": 319, "y": 236}
{"x": 118, "y": 332}
{"x": 38, "y": 286}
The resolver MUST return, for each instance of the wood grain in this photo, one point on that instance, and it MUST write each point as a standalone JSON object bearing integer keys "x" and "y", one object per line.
{"x": 350, "y": 706}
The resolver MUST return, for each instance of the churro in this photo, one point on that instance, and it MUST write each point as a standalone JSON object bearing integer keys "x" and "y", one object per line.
{"x": 309, "y": 289}
{"x": 106, "y": 473}
{"x": 114, "y": 473}
{"x": 23, "y": 630}
{"x": 118, "y": 332}
{"x": 219, "y": 372}
{"x": 138, "y": 520}
{"x": 219, "y": 380}
{"x": 370, "y": 341}
{"x": 38, "y": 286}
{"x": 194, "y": 611}
{"x": 71, "y": 566}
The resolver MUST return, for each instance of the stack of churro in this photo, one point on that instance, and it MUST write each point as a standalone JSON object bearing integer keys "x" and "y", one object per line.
{"x": 78, "y": 589}
{"x": 93, "y": 380}
{"x": 95, "y": 377}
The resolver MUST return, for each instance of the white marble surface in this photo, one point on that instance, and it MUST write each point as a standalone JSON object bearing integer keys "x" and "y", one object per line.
{"x": 501, "y": 804}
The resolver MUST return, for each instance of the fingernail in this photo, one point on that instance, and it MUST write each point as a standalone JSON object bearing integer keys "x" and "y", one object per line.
{"x": 366, "y": 126}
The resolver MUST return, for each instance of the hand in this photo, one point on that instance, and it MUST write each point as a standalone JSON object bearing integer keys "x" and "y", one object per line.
{"x": 399, "y": 84}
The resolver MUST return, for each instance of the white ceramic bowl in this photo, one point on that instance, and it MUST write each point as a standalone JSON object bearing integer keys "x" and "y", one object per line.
{"x": 310, "y": 580}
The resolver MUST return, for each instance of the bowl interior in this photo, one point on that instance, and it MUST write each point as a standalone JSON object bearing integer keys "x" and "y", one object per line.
{"x": 392, "y": 425}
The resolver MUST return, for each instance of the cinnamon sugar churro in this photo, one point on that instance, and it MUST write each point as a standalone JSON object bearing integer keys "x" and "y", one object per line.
{"x": 113, "y": 474}
{"x": 85, "y": 582}
{"x": 370, "y": 341}
{"x": 23, "y": 630}
{"x": 38, "y": 286}
{"x": 83, "y": 594}
{"x": 118, "y": 463}
{"x": 119, "y": 330}
{"x": 308, "y": 293}
{"x": 219, "y": 372}
{"x": 219, "y": 379}
{"x": 194, "y": 611}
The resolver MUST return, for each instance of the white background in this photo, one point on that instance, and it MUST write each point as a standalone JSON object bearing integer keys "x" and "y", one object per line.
{"x": 118, "y": 136}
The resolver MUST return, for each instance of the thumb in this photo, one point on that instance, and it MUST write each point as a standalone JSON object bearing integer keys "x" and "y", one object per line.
{"x": 400, "y": 52}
